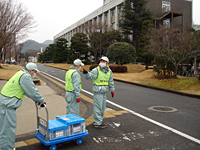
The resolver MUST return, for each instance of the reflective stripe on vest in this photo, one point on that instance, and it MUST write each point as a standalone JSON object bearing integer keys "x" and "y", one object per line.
{"x": 12, "y": 87}
{"x": 103, "y": 78}
{"x": 68, "y": 78}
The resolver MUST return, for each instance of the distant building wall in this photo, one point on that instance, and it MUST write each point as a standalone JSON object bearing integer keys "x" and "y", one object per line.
{"x": 110, "y": 13}
{"x": 32, "y": 59}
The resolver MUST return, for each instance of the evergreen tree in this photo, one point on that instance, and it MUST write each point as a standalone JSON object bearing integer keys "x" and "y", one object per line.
{"x": 94, "y": 45}
{"x": 143, "y": 54}
{"x": 49, "y": 52}
{"x": 79, "y": 45}
{"x": 47, "y": 55}
{"x": 61, "y": 51}
{"x": 133, "y": 15}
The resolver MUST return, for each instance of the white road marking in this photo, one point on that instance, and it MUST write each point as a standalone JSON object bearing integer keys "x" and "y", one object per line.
{"x": 116, "y": 124}
{"x": 96, "y": 140}
{"x": 139, "y": 115}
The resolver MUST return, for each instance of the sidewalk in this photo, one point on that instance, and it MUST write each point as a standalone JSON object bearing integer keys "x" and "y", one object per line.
{"x": 26, "y": 114}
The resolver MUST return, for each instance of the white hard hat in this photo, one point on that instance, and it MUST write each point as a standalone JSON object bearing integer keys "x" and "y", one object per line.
{"x": 105, "y": 58}
{"x": 78, "y": 62}
{"x": 32, "y": 66}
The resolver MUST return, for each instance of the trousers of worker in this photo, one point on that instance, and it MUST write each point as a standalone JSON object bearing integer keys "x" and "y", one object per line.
{"x": 99, "y": 107}
{"x": 8, "y": 121}
{"x": 72, "y": 106}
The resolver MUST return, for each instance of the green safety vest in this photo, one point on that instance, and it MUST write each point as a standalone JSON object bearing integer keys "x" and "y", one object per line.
{"x": 12, "y": 87}
{"x": 103, "y": 78}
{"x": 68, "y": 78}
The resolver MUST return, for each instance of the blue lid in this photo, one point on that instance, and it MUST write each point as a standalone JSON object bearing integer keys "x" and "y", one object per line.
{"x": 70, "y": 119}
{"x": 55, "y": 125}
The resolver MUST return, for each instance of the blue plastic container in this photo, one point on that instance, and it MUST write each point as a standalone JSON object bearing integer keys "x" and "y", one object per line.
{"x": 62, "y": 129}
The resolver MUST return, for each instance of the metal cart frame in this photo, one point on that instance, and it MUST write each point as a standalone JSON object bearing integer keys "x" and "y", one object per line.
{"x": 52, "y": 143}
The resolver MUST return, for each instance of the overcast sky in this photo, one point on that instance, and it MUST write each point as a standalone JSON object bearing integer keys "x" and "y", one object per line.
{"x": 53, "y": 16}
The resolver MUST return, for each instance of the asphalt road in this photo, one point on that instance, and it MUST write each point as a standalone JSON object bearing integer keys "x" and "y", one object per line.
{"x": 141, "y": 128}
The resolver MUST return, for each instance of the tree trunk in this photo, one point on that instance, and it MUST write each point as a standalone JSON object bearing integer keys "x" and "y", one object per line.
{"x": 147, "y": 64}
{"x": 175, "y": 72}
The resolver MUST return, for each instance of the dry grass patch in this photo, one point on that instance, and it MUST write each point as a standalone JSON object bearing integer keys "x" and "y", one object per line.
{"x": 184, "y": 84}
{"x": 134, "y": 68}
{"x": 136, "y": 77}
{"x": 8, "y": 71}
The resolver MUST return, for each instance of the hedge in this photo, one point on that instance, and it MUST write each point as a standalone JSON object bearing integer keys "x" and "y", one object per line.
{"x": 118, "y": 69}
{"x": 114, "y": 68}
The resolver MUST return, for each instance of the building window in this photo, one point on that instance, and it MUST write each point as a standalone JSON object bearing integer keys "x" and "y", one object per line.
{"x": 113, "y": 12}
{"x": 119, "y": 12}
{"x": 106, "y": 15}
{"x": 95, "y": 21}
{"x": 112, "y": 16}
{"x": 166, "y": 6}
{"x": 166, "y": 23}
{"x": 166, "y": 41}
{"x": 100, "y": 19}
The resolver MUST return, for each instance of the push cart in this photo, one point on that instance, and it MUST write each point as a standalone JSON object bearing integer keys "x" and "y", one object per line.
{"x": 64, "y": 128}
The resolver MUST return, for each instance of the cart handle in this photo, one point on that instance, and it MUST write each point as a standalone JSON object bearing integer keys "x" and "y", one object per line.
{"x": 37, "y": 113}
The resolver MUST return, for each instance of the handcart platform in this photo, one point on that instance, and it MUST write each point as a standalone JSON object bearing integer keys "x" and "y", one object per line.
{"x": 78, "y": 137}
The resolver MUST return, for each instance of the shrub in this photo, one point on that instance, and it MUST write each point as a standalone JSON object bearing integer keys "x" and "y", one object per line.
{"x": 157, "y": 69}
{"x": 118, "y": 69}
{"x": 121, "y": 53}
{"x": 198, "y": 77}
{"x": 86, "y": 62}
{"x": 114, "y": 68}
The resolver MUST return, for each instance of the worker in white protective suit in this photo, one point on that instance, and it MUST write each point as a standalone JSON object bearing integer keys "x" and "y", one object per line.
{"x": 73, "y": 87}
{"x": 102, "y": 81}
{"x": 11, "y": 97}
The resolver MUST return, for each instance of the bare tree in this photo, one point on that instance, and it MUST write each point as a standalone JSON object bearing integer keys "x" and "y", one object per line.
{"x": 15, "y": 23}
{"x": 172, "y": 45}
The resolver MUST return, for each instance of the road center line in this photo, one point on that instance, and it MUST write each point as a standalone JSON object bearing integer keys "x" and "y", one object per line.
{"x": 139, "y": 115}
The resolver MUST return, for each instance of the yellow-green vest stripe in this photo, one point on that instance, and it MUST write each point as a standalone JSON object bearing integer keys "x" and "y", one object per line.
{"x": 68, "y": 78}
{"x": 103, "y": 78}
{"x": 12, "y": 87}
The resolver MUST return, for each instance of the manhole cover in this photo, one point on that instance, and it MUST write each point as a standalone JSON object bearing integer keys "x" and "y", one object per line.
{"x": 162, "y": 109}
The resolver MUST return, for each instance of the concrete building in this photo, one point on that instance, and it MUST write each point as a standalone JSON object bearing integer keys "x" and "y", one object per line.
{"x": 32, "y": 59}
{"x": 171, "y": 13}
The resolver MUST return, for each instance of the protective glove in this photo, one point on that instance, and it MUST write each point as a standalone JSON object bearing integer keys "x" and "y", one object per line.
{"x": 112, "y": 93}
{"x": 42, "y": 105}
{"x": 84, "y": 71}
{"x": 78, "y": 100}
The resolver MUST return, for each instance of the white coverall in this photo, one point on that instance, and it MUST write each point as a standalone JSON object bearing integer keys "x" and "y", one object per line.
{"x": 99, "y": 94}
{"x": 72, "y": 106}
{"x": 8, "y": 106}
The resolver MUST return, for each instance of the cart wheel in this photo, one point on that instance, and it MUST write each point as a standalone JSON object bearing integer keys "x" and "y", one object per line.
{"x": 53, "y": 147}
{"x": 79, "y": 141}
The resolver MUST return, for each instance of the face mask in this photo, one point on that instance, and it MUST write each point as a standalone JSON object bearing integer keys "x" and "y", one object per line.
{"x": 102, "y": 65}
{"x": 33, "y": 76}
